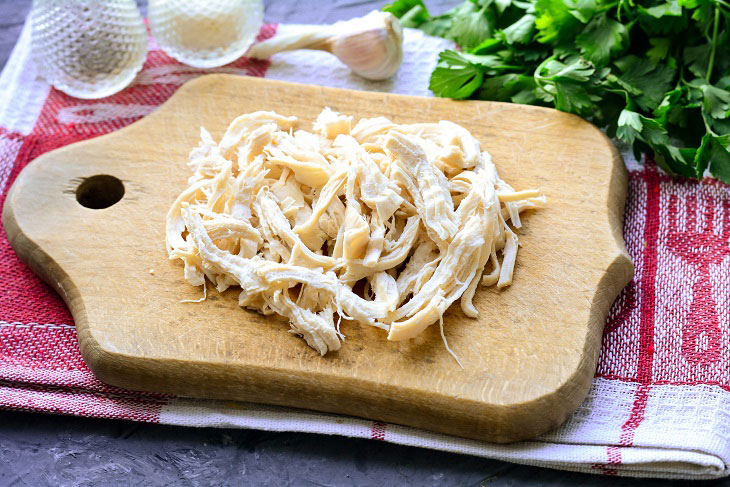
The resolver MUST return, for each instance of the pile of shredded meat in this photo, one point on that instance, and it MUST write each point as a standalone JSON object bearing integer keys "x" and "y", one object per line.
{"x": 409, "y": 216}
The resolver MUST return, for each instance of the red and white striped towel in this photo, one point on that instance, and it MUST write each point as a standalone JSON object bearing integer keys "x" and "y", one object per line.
{"x": 660, "y": 399}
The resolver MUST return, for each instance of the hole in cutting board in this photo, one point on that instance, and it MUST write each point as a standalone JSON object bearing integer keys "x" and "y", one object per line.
{"x": 100, "y": 191}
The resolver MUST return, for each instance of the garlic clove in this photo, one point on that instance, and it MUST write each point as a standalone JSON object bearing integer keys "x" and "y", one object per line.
{"x": 375, "y": 51}
{"x": 371, "y": 46}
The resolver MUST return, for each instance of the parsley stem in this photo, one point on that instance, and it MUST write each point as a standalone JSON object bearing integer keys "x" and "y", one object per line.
{"x": 715, "y": 28}
{"x": 410, "y": 17}
{"x": 723, "y": 3}
{"x": 539, "y": 77}
{"x": 707, "y": 125}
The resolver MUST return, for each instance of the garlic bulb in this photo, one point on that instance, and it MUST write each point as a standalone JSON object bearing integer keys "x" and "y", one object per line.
{"x": 371, "y": 46}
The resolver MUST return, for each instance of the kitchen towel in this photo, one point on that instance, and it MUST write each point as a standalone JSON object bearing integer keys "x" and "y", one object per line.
{"x": 660, "y": 399}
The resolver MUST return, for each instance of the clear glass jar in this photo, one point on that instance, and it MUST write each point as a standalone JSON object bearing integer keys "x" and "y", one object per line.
{"x": 205, "y": 33}
{"x": 88, "y": 48}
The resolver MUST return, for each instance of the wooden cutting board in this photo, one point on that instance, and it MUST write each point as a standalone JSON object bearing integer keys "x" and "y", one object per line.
{"x": 528, "y": 359}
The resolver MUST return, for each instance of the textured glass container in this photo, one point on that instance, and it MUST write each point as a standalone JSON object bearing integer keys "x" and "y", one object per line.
{"x": 88, "y": 48}
{"x": 205, "y": 33}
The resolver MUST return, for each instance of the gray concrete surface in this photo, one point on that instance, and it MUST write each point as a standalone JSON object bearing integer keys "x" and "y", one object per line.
{"x": 55, "y": 450}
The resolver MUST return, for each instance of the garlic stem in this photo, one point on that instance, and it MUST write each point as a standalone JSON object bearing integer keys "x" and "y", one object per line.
{"x": 371, "y": 46}
{"x": 311, "y": 37}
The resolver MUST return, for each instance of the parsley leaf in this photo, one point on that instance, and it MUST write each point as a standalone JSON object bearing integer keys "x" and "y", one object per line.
{"x": 652, "y": 132}
{"x": 509, "y": 87}
{"x": 671, "y": 9}
{"x": 675, "y": 160}
{"x": 582, "y": 10}
{"x": 703, "y": 155}
{"x": 455, "y": 77}
{"x": 647, "y": 80}
{"x": 629, "y": 126}
{"x": 724, "y": 83}
{"x": 555, "y": 21}
{"x": 670, "y": 110}
{"x": 719, "y": 158}
{"x": 696, "y": 58}
{"x": 574, "y": 68}
{"x": 602, "y": 38}
{"x": 521, "y": 31}
{"x": 437, "y": 26}
{"x": 659, "y": 50}
{"x": 573, "y": 98}
{"x": 715, "y": 101}
{"x": 663, "y": 18}
{"x": 471, "y": 27}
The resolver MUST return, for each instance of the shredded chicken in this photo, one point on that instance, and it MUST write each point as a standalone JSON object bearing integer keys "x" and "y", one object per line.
{"x": 412, "y": 214}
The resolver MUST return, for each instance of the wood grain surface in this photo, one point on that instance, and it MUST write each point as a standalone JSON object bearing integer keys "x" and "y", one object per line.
{"x": 528, "y": 360}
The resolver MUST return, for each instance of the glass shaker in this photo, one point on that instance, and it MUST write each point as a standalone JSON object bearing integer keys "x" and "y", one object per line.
{"x": 205, "y": 33}
{"x": 88, "y": 48}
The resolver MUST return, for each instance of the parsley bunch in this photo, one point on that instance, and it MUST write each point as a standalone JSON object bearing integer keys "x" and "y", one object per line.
{"x": 654, "y": 73}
